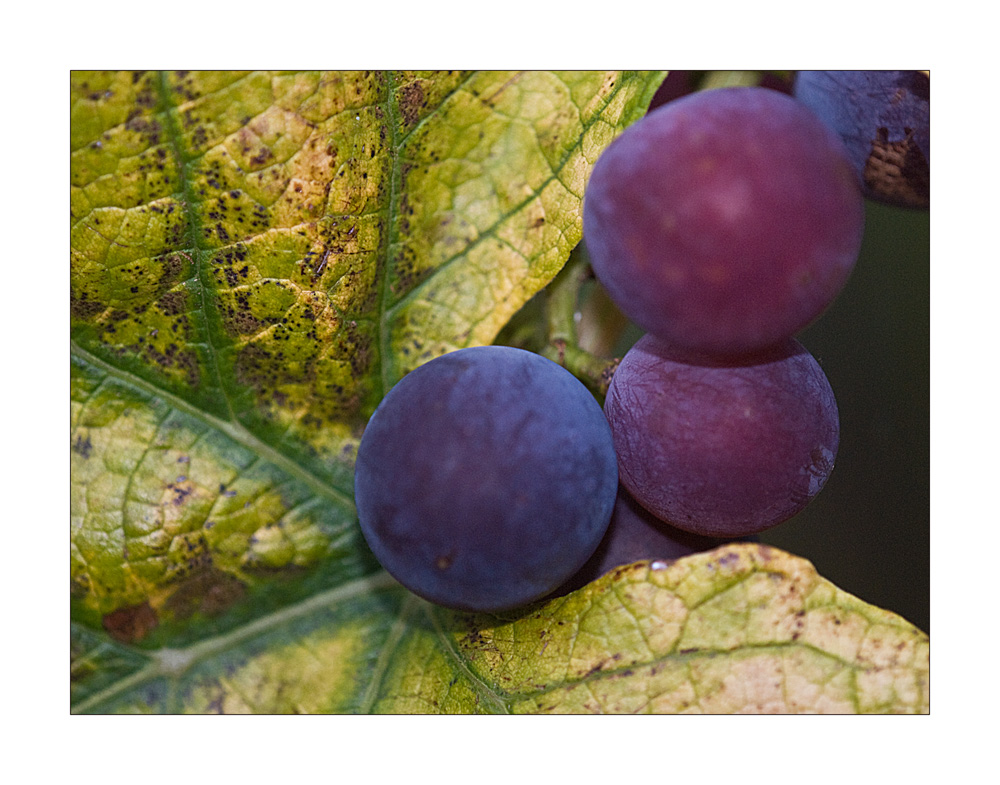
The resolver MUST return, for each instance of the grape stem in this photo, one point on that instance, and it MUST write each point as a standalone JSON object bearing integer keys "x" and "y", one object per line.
{"x": 561, "y": 314}
{"x": 594, "y": 372}
{"x": 715, "y": 79}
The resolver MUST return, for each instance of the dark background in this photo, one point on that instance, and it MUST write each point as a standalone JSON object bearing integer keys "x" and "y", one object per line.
{"x": 868, "y": 530}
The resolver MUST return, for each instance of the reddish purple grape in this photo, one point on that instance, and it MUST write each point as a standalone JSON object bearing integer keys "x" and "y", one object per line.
{"x": 725, "y": 221}
{"x": 722, "y": 449}
{"x": 636, "y": 534}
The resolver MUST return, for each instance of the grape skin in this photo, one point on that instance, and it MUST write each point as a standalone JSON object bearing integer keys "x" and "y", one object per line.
{"x": 883, "y": 118}
{"x": 724, "y": 221}
{"x": 722, "y": 448}
{"x": 635, "y": 534}
{"x": 485, "y": 478}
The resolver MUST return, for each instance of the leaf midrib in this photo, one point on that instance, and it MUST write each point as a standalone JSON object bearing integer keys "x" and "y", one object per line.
{"x": 173, "y": 663}
{"x": 194, "y": 230}
{"x": 233, "y": 429}
{"x": 491, "y": 231}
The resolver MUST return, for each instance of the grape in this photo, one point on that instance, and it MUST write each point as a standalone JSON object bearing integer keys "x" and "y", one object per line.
{"x": 636, "y": 534}
{"x": 485, "y": 478}
{"x": 884, "y": 119}
{"x": 724, "y": 221}
{"x": 722, "y": 449}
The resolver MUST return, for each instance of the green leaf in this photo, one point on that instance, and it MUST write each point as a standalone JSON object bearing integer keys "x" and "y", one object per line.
{"x": 744, "y": 628}
{"x": 256, "y": 258}
{"x": 278, "y": 250}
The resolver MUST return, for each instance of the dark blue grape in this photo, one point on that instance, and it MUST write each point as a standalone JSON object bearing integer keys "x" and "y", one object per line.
{"x": 485, "y": 478}
{"x": 724, "y": 221}
{"x": 722, "y": 449}
{"x": 884, "y": 119}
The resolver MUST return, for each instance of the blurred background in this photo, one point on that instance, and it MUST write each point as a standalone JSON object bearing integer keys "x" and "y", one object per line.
{"x": 868, "y": 530}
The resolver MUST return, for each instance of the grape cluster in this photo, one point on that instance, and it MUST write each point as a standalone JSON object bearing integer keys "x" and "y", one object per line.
{"x": 722, "y": 223}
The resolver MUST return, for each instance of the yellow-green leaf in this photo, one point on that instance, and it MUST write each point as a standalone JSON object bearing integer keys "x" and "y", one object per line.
{"x": 742, "y": 629}
{"x": 277, "y": 249}
{"x": 255, "y": 259}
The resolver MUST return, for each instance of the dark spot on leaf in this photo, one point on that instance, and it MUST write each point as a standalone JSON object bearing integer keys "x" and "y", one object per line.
{"x": 173, "y": 266}
{"x": 474, "y": 638}
{"x": 82, "y": 446}
{"x": 187, "y": 360}
{"x": 206, "y": 590}
{"x": 172, "y": 303}
{"x": 180, "y": 490}
{"x": 262, "y": 156}
{"x": 243, "y": 323}
{"x": 131, "y": 624}
{"x": 83, "y": 308}
{"x": 411, "y": 101}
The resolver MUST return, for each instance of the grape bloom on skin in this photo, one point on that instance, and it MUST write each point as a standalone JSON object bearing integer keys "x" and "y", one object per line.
{"x": 725, "y": 221}
{"x": 722, "y": 449}
{"x": 486, "y": 478}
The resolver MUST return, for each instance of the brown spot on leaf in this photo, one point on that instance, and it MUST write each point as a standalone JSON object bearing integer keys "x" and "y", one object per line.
{"x": 243, "y": 323}
{"x": 131, "y": 624}
{"x": 173, "y": 266}
{"x": 207, "y": 590}
{"x": 83, "y": 308}
{"x": 411, "y": 100}
{"x": 172, "y": 303}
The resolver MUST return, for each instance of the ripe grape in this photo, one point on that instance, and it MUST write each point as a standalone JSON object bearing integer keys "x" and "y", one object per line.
{"x": 722, "y": 449}
{"x": 724, "y": 221}
{"x": 485, "y": 478}
{"x": 636, "y": 534}
{"x": 884, "y": 119}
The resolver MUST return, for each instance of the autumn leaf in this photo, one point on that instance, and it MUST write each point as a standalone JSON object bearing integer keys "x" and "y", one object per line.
{"x": 256, "y": 258}
{"x": 741, "y": 629}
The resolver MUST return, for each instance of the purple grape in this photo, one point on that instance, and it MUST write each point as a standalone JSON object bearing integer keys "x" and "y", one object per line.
{"x": 636, "y": 534}
{"x": 725, "y": 221}
{"x": 722, "y": 449}
{"x": 884, "y": 119}
{"x": 485, "y": 478}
